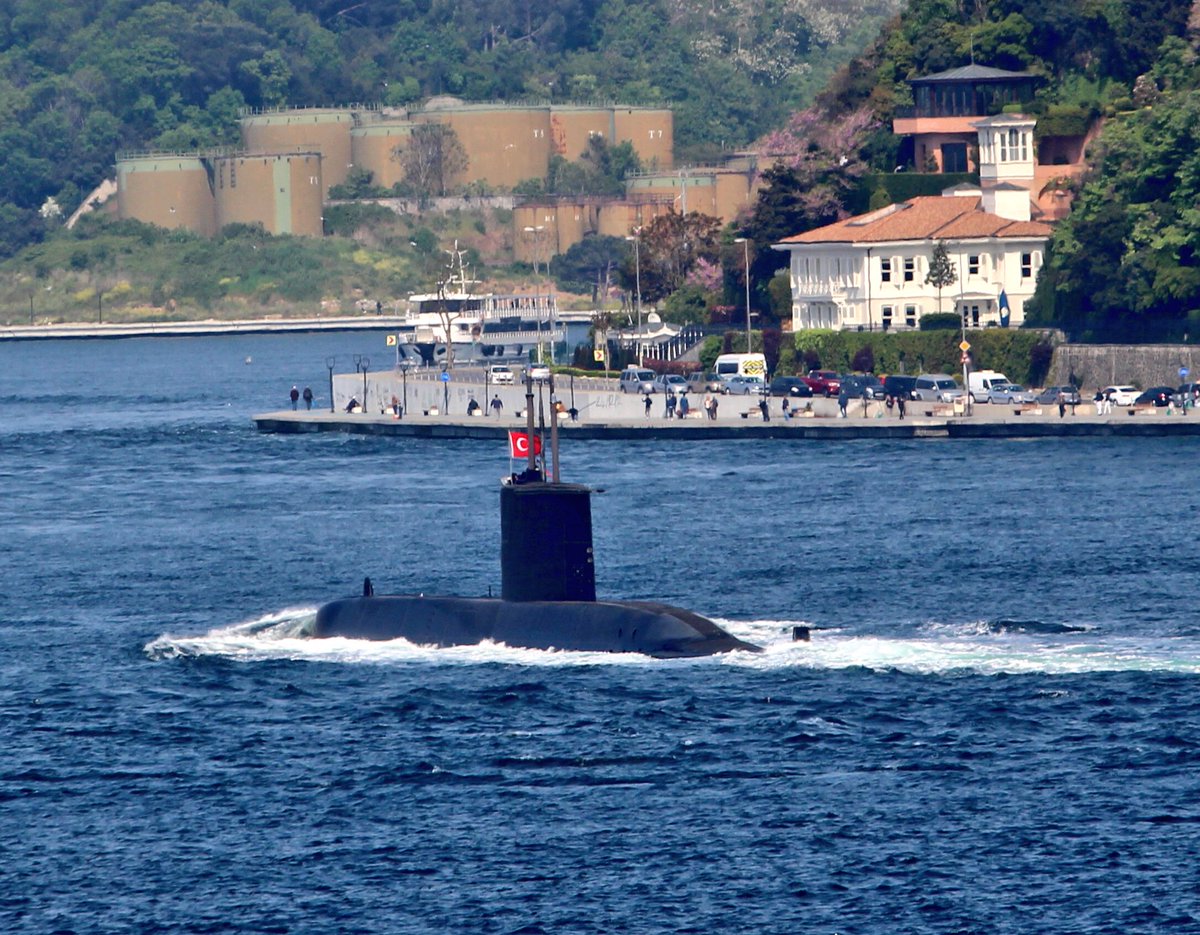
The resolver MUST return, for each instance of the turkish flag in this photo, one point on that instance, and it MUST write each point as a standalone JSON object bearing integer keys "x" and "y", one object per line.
{"x": 518, "y": 445}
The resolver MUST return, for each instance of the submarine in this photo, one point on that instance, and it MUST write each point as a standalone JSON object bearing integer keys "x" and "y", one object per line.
{"x": 548, "y": 584}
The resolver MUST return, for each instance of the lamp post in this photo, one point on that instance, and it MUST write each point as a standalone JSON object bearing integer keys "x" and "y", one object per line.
{"x": 329, "y": 362}
{"x": 745, "y": 242}
{"x": 637, "y": 275}
{"x": 536, "y": 234}
{"x": 366, "y": 365}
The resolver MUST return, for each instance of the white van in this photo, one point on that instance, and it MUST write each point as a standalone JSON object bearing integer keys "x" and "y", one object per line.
{"x": 980, "y": 383}
{"x": 740, "y": 365}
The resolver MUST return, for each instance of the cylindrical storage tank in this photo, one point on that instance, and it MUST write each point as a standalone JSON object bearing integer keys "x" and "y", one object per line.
{"x": 282, "y": 192}
{"x": 374, "y": 148}
{"x": 546, "y": 543}
{"x": 539, "y": 244}
{"x": 504, "y": 145}
{"x": 324, "y": 131}
{"x": 622, "y": 218}
{"x": 570, "y": 222}
{"x": 733, "y": 194}
{"x": 170, "y": 191}
{"x": 650, "y": 130}
{"x": 572, "y": 128}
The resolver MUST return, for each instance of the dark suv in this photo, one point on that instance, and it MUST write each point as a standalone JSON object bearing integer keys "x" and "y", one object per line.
{"x": 790, "y": 386}
{"x": 899, "y": 385}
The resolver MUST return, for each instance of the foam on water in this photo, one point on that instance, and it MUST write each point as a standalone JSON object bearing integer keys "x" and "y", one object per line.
{"x": 938, "y": 649}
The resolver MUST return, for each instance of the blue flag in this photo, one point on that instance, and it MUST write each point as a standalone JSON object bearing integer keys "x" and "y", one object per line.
{"x": 1005, "y": 311}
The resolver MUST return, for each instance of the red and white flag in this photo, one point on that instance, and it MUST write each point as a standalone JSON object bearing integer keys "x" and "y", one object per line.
{"x": 518, "y": 445}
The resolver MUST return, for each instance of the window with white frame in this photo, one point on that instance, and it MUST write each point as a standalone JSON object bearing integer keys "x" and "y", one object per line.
{"x": 910, "y": 269}
{"x": 1026, "y": 265}
{"x": 910, "y": 316}
{"x": 973, "y": 264}
{"x": 886, "y": 313}
{"x": 885, "y": 269}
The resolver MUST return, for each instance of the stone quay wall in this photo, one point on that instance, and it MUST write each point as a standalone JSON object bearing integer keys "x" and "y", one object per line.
{"x": 1091, "y": 366}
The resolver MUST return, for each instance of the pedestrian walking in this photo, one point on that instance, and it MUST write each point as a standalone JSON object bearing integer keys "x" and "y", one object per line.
{"x": 648, "y": 404}
{"x": 684, "y": 406}
{"x": 497, "y": 405}
{"x": 843, "y": 400}
{"x": 708, "y": 404}
{"x": 670, "y": 404}
{"x": 1062, "y": 404}
{"x": 787, "y": 413}
{"x": 295, "y": 395}
{"x": 713, "y": 412}
{"x": 765, "y": 410}
{"x": 308, "y": 397}
{"x": 900, "y": 405}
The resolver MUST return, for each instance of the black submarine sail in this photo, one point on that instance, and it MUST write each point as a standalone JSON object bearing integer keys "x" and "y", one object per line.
{"x": 548, "y": 585}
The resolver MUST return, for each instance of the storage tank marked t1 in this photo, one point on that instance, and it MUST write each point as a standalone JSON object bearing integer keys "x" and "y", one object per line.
{"x": 548, "y": 591}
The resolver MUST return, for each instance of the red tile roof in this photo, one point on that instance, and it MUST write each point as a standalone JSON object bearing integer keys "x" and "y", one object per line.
{"x": 931, "y": 217}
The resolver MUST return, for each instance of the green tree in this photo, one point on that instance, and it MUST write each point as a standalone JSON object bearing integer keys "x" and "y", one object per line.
{"x": 941, "y": 271}
{"x": 433, "y": 159}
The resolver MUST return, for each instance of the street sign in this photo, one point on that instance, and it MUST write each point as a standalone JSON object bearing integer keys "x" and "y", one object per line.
{"x": 965, "y": 359}
{"x": 964, "y": 346}
{"x": 391, "y": 340}
{"x": 445, "y": 377}
{"x": 598, "y": 355}
{"x": 1183, "y": 373}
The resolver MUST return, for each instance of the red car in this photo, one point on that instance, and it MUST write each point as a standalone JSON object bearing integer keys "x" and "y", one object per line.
{"x": 825, "y": 382}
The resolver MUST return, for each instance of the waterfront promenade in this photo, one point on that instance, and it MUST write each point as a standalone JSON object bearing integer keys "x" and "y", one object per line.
{"x": 437, "y": 410}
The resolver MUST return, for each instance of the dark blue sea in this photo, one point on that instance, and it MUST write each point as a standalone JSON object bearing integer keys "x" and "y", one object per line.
{"x": 948, "y": 754}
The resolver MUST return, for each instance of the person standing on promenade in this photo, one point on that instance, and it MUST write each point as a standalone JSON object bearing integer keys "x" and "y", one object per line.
{"x": 684, "y": 406}
{"x": 900, "y": 404}
{"x": 787, "y": 413}
{"x": 764, "y": 409}
{"x": 497, "y": 405}
{"x": 843, "y": 399}
{"x": 308, "y": 397}
{"x": 648, "y": 404}
{"x": 1062, "y": 404}
{"x": 708, "y": 405}
{"x": 670, "y": 404}
{"x": 295, "y": 395}
{"x": 713, "y": 412}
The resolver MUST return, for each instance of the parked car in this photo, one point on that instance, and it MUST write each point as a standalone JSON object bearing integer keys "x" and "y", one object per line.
{"x": 899, "y": 385}
{"x": 746, "y": 386}
{"x": 499, "y": 374}
{"x": 636, "y": 380}
{"x": 936, "y": 387}
{"x": 669, "y": 383}
{"x": 824, "y": 382}
{"x": 1121, "y": 395}
{"x": 1159, "y": 395}
{"x": 701, "y": 382}
{"x": 1050, "y": 395}
{"x": 1012, "y": 393}
{"x": 868, "y": 384}
{"x": 1187, "y": 391}
{"x": 790, "y": 386}
{"x": 539, "y": 372}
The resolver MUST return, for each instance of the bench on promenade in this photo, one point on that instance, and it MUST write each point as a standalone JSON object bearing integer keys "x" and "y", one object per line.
{"x": 1033, "y": 410}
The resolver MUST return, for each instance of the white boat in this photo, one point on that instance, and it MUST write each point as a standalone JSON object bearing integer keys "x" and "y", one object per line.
{"x": 475, "y": 326}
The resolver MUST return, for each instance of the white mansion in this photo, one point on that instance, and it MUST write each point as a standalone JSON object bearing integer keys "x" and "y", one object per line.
{"x": 869, "y": 271}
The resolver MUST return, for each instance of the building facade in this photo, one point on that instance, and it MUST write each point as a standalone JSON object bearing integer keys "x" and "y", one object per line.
{"x": 869, "y": 272}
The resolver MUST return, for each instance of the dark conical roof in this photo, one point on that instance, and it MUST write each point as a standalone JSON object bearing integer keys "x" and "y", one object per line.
{"x": 973, "y": 73}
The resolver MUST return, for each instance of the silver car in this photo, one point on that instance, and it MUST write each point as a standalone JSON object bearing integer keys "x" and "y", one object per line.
{"x": 670, "y": 383}
{"x": 1011, "y": 393}
{"x": 637, "y": 380}
{"x": 746, "y": 386}
{"x": 936, "y": 387}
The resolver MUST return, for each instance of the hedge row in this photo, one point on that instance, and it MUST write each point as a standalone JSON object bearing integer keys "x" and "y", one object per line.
{"x": 1023, "y": 355}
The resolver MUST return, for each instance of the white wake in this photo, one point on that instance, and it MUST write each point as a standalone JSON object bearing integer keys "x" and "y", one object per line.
{"x": 937, "y": 650}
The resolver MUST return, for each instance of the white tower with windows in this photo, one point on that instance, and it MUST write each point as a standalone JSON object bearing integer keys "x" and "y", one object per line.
{"x": 1007, "y": 155}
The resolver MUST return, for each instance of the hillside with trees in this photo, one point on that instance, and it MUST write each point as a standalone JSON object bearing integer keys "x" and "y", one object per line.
{"x": 80, "y": 81}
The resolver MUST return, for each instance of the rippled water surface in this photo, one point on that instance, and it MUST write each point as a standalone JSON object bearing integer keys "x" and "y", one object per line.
{"x": 995, "y": 728}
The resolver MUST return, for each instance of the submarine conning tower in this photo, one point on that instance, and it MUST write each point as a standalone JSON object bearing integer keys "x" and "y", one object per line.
{"x": 546, "y": 542}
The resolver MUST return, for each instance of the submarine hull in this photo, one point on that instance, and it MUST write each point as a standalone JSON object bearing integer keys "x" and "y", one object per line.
{"x": 652, "y": 629}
